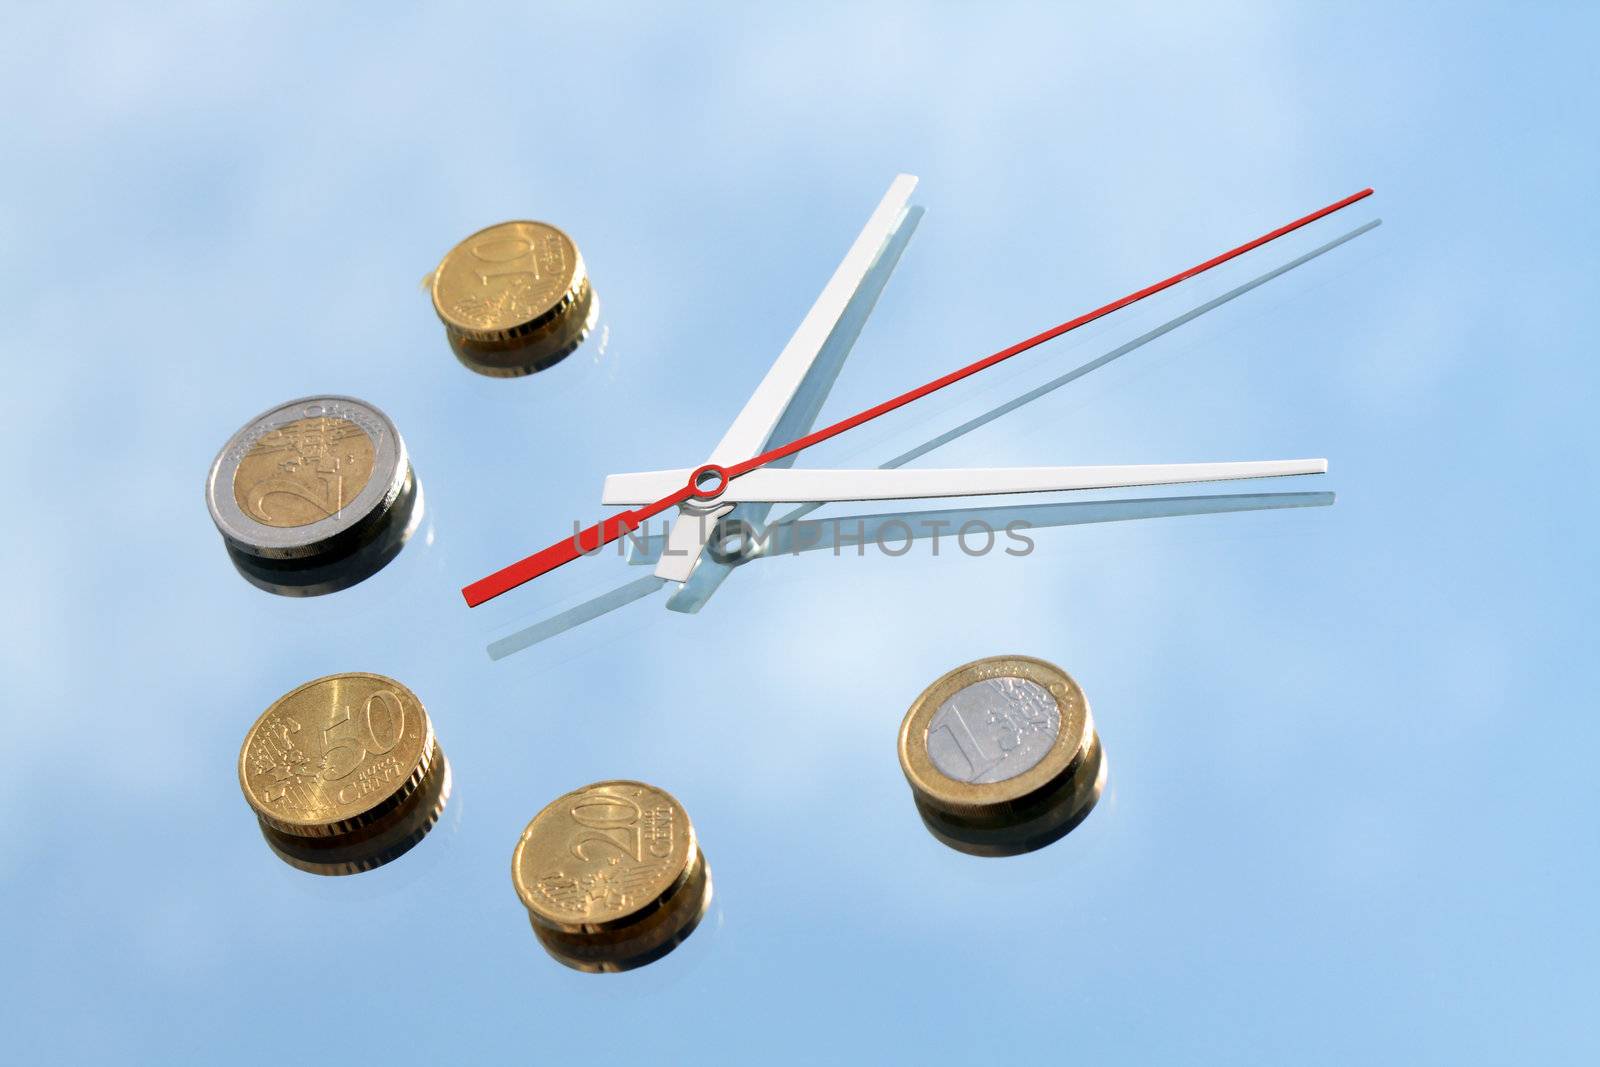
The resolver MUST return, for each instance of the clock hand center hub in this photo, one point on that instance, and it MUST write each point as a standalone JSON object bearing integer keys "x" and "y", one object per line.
{"x": 708, "y": 482}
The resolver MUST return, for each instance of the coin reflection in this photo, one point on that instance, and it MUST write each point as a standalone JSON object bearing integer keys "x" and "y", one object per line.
{"x": 536, "y": 351}
{"x": 612, "y": 951}
{"x": 1027, "y": 825}
{"x": 369, "y": 556}
{"x": 392, "y": 836}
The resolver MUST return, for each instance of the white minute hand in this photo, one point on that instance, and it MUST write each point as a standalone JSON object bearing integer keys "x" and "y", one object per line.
{"x": 807, "y": 486}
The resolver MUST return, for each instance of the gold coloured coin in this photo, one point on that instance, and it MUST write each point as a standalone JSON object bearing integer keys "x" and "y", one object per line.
{"x": 303, "y": 471}
{"x": 601, "y": 859}
{"x": 507, "y": 281}
{"x": 336, "y": 754}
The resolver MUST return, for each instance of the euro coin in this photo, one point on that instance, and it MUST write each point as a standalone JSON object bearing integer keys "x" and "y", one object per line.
{"x": 308, "y": 481}
{"x": 336, "y": 755}
{"x": 507, "y": 281}
{"x": 611, "y": 875}
{"x": 992, "y": 740}
{"x": 603, "y": 856}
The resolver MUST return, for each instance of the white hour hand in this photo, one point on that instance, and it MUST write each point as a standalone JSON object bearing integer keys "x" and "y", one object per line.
{"x": 750, "y": 432}
{"x": 807, "y": 486}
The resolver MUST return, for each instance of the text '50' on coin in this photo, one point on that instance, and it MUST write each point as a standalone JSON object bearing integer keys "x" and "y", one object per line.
{"x": 336, "y": 755}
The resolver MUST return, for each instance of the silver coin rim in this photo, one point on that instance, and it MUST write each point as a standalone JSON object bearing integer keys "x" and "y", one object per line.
{"x": 389, "y": 466}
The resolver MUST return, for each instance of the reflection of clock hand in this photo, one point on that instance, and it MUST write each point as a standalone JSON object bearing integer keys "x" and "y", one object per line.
{"x": 567, "y": 549}
{"x": 710, "y": 481}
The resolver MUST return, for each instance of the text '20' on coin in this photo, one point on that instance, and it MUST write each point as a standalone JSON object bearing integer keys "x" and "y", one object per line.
{"x": 611, "y": 875}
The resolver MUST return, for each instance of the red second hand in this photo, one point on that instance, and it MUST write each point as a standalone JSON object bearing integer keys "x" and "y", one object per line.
{"x": 594, "y": 537}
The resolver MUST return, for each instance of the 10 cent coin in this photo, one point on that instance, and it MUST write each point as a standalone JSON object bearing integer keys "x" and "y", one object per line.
{"x": 514, "y": 298}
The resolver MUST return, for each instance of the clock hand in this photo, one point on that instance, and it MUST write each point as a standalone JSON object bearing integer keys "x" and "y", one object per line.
{"x": 792, "y": 536}
{"x": 1094, "y": 364}
{"x": 710, "y": 572}
{"x": 590, "y": 539}
{"x": 798, "y": 486}
{"x": 1022, "y": 346}
{"x": 859, "y": 531}
{"x": 707, "y": 482}
{"x": 706, "y": 573}
{"x": 778, "y": 402}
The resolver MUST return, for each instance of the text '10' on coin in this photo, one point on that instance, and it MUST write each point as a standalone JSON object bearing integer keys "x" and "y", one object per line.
{"x": 344, "y": 773}
{"x": 1002, "y": 756}
{"x": 314, "y": 495}
{"x": 514, "y": 298}
{"x": 612, "y": 876}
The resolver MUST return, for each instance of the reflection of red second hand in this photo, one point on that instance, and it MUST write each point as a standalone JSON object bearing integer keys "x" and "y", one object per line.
{"x": 608, "y": 530}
